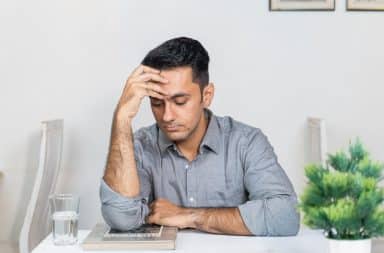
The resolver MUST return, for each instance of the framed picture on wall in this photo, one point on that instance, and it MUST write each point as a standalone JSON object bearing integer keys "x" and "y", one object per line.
{"x": 365, "y": 5}
{"x": 302, "y": 5}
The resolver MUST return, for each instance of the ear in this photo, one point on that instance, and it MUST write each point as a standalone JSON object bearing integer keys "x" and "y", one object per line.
{"x": 208, "y": 94}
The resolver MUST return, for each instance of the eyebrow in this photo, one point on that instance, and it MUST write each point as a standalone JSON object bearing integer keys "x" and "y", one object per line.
{"x": 177, "y": 95}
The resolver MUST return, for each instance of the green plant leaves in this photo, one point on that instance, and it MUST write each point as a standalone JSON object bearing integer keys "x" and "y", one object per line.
{"x": 316, "y": 218}
{"x": 374, "y": 224}
{"x": 339, "y": 161}
{"x": 369, "y": 168}
{"x": 343, "y": 217}
{"x": 357, "y": 151}
{"x": 336, "y": 184}
{"x": 344, "y": 198}
{"x": 367, "y": 202}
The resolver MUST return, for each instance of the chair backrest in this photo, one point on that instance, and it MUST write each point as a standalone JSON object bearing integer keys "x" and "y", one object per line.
{"x": 36, "y": 224}
{"x": 318, "y": 140}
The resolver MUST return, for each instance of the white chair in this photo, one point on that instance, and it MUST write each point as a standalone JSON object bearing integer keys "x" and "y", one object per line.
{"x": 36, "y": 223}
{"x": 318, "y": 140}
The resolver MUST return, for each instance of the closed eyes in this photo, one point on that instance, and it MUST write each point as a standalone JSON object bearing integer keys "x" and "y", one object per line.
{"x": 177, "y": 100}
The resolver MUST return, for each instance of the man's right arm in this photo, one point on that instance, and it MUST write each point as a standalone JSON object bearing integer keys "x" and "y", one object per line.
{"x": 122, "y": 204}
{"x": 121, "y": 173}
{"x": 122, "y": 207}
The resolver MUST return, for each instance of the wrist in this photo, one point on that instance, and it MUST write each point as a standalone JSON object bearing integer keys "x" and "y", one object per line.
{"x": 121, "y": 120}
{"x": 196, "y": 218}
{"x": 187, "y": 217}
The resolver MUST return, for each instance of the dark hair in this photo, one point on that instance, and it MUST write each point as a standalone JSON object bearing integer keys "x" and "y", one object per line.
{"x": 181, "y": 52}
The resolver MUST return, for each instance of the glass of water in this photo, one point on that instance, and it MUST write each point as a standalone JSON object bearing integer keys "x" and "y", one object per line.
{"x": 65, "y": 215}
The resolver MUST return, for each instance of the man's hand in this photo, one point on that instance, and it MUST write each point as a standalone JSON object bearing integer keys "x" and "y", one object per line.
{"x": 163, "y": 212}
{"x": 213, "y": 220}
{"x": 144, "y": 81}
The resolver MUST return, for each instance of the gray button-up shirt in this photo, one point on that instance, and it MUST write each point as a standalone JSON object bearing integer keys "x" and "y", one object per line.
{"x": 235, "y": 167}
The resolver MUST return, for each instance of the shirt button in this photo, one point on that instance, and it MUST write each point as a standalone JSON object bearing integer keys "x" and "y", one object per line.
{"x": 191, "y": 199}
{"x": 187, "y": 166}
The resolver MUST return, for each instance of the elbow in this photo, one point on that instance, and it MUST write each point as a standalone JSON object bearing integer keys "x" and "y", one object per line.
{"x": 289, "y": 227}
{"x": 295, "y": 224}
{"x": 284, "y": 219}
{"x": 271, "y": 217}
{"x": 123, "y": 219}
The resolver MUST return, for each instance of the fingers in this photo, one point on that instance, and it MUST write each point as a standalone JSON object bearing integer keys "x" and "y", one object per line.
{"x": 150, "y": 90}
{"x": 154, "y": 204}
{"x": 149, "y": 77}
{"x": 159, "y": 213}
{"x": 156, "y": 219}
{"x": 148, "y": 82}
{"x": 144, "y": 69}
{"x": 152, "y": 216}
{"x": 144, "y": 81}
{"x": 150, "y": 86}
{"x": 157, "y": 202}
{"x": 153, "y": 94}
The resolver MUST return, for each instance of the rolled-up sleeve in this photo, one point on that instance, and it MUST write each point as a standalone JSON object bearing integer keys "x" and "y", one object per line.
{"x": 271, "y": 208}
{"x": 125, "y": 213}
{"x": 120, "y": 212}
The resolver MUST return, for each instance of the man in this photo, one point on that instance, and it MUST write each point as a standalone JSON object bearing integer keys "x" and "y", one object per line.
{"x": 191, "y": 169}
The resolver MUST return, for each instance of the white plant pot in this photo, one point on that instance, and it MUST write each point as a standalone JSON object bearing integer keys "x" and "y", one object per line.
{"x": 349, "y": 246}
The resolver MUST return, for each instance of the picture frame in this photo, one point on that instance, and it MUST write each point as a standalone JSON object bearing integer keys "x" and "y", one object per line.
{"x": 365, "y": 5}
{"x": 301, "y": 5}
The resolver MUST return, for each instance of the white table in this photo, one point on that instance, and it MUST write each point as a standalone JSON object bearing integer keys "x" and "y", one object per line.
{"x": 307, "y": 241}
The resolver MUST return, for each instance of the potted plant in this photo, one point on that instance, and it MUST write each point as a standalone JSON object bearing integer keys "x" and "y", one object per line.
{"x": 343, "y": 199}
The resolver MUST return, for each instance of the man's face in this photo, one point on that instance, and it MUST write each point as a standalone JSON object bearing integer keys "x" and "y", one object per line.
{"x": 180, "y": 114}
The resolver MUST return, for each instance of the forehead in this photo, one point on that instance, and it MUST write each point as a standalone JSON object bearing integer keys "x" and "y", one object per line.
{"x": 179, "y": 80}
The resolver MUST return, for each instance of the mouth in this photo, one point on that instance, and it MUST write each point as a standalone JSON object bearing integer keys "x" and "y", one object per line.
{"x": 171, "y": 128}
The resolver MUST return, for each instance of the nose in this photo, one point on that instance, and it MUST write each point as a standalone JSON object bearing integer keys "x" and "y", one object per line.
{"x": 168, "y": 115}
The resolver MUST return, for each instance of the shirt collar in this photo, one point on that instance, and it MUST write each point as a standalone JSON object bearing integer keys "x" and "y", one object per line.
{"x": 164, "y": 142}
{"x": 211, "y": 138}
{"x": 212, "y": 135}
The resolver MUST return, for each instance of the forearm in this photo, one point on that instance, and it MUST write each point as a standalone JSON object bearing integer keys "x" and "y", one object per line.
{"x": 121, "y": 172}
{"x": 218, "y": 220}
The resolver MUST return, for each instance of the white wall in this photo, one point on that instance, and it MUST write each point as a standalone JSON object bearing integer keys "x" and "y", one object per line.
{"x": 69, "y": 59}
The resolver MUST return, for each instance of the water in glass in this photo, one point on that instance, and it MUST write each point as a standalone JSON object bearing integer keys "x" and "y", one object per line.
{"x": 65, "y": 227}
{"x": 65, "y": 216}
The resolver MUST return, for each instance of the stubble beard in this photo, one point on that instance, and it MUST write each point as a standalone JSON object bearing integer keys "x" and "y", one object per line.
{"x": 185, "y": 136}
